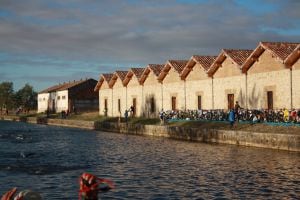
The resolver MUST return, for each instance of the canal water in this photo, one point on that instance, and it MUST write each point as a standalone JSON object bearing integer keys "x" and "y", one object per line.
{"x": 50, "y": 160}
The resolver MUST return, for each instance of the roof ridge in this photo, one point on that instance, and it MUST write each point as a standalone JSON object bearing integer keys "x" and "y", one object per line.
{"x": 272, "y": 42}
{"x": 237, "y": 49}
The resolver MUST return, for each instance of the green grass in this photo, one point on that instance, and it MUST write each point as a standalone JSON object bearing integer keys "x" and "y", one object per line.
{"x": 144, "y": 121}
{"x": 134, "y": 120}
{"x": 222, "y": 125}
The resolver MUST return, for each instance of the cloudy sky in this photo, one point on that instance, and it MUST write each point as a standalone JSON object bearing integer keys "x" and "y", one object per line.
{"x": 45, "y": 42}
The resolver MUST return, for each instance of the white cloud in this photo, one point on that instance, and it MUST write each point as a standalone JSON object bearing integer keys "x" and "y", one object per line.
{"x": 125, "y": 33}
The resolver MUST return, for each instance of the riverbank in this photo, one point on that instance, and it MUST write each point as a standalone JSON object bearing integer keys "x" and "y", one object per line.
{"x": 244, "y": 135}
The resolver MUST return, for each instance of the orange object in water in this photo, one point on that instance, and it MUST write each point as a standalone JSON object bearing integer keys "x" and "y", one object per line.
{"x": 90, "y": 185}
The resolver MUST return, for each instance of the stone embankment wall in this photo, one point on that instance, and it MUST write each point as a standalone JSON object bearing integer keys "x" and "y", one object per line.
{"x": 290, "y": 142}
{"x": 264, "y": 140}
{"x": 56, "y": 122}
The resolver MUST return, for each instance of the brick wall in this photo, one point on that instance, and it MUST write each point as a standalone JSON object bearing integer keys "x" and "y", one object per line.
{"x": 134, "y": 90}
{"x": 296, "y": 84}
{"x": 228, "y": 79}
{"x": 268, "y": 74}
{"x": 151, "y": 89}
{"x": 198, "y": 84}
{"x": 105, "y": 93}
{"x": 173, "y": 86}
{"x": 119, "y": 92}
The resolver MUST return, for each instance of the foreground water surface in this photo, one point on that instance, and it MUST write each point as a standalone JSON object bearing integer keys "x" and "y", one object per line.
{"x": 50, "y": 160}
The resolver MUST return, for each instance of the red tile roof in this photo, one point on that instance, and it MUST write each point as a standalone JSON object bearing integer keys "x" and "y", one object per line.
{"x": 70, "y": 85}
{"x": 178, "y": 65}
{"x": 64, "y": 86}
{"x": 156, "y": 68}
{"x": 103, "y": 77}
{"x": 239, "y": 56}
{"x": 281, "y": 49}
{"x": 121, "y": 74}
{"x": 293, "y": 57}
{"x": 51, "y": 89}
{"x": 107, "y": 77}
{"x": 118, "y": 74}
{"x": 204, "y": 61}
{"x": 138, "y": 72}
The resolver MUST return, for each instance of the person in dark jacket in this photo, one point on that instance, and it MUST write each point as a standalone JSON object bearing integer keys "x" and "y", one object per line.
{"x": 237, "y": 108}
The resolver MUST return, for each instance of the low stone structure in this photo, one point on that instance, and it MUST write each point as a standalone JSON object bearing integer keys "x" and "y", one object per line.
{"x": 289, "y": 142}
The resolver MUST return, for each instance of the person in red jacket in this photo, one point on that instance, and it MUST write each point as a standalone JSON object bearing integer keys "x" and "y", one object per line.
{"x": 91, "y": 185}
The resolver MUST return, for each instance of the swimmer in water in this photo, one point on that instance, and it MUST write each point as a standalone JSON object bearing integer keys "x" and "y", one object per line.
{"x": 23, "y": 195}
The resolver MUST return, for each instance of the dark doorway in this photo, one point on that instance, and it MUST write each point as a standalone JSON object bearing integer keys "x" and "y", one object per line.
{"x": 230, "y": 98}
{"x": 152, "y": 105}
{"x": 270, "y": 99}
{"x": 105, "y": 107}
{"x": 199, "y": 101}
{"x": 119, "y": 105}
{"x": 173, "y": 103}
{"x": 53, "y": 106}
{"x": 134, "y": 106}
{"x": 105, "y": 104}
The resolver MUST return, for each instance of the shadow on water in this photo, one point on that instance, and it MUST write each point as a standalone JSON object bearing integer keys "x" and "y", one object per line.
{"x": 17, "y": 136}
{"x": 38, "y": 169}
{"x": 32, "y": 163}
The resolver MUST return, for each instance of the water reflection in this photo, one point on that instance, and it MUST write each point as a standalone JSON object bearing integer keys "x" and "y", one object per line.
{"x": 142, "y": 167}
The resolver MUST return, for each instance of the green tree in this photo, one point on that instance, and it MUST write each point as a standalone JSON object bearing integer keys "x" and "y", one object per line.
{"x": 6, "y": 95}
{"x": 26, "y": 97}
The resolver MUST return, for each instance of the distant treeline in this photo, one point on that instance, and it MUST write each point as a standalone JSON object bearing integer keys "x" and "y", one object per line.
{"x": 25, "y": 98}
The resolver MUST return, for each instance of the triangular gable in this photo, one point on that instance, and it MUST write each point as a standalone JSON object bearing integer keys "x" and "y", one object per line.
{"x": 293, "y": 57}
{"x": 103, "y": 77}
{"x": 137, "y": 72}
{"x": 280, "y": 50}
{"x": 204, "y": 61}
{"x": 155, "y": 68}
{"x": 177, "y": 65}
{"x": 237, "y": 56}
{"x": 118, "y": 74}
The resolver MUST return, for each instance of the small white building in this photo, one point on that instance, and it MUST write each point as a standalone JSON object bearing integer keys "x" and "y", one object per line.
{"x": 69, "y": 96}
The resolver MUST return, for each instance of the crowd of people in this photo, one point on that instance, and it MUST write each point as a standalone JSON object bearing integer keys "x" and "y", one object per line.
{"x": 239, "y": 114}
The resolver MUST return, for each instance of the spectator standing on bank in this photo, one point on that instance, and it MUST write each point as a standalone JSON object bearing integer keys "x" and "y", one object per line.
{"x": 131, "y": 111}
{"x": 294, "y": 115}
{"x": 231, "y": 117}
{"x": 298, "y": 116}
{"x": 162, "y": 116}
{"x": 237, "y": 108}
{"x": 126, "y": 115}
{"x": 285, "y": 115}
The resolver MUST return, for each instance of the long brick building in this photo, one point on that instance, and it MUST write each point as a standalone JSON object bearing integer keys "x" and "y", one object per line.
{"x": 267, "y": 77}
